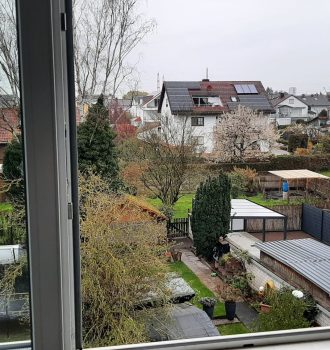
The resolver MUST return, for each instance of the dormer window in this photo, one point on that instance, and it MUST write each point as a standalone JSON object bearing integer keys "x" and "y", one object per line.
{"x": 200, "y": 101}
{"x": 234, "y": 99}
{"x": 291, "y": 101}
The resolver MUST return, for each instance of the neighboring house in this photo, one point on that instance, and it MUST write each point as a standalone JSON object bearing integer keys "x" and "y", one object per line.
{"x": 144, "y": 109}
{"x": 289, "y": 109}
{"x": 316, "y": 103}
{"x": 203, "y": 102}
{"x": 10, "y": 123}
{"x": 321, "y": 123}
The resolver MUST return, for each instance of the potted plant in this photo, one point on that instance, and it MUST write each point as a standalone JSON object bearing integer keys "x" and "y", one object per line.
{"x": 230, "y": 295}
{"x": 208, "y": 305}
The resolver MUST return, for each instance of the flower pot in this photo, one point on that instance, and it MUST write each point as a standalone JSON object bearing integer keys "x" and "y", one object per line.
{"x": 265, "y": 308}
{"x": 209, "y": 310}
{"x": 230, "y": 307}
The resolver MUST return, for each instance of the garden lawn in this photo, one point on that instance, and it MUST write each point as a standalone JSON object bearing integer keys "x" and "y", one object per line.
{"x": 181, "y": 207}
{"x": 234, "y": 328}
{"x": 201, "y": 290}
{"x": 13, "y": 331}
{"x": 5, "y": 207}
{"x": 325, "y": 172}
{"x": 259, "y": 199}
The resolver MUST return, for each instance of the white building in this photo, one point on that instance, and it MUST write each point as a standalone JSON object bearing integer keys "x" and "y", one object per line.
{"x": 144, "y": 109}
{"x": 203, "y": 102}
{"x": 290, "y": 108}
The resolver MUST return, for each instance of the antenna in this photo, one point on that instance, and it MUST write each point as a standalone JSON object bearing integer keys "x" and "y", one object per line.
{"x": 207, "y": 72}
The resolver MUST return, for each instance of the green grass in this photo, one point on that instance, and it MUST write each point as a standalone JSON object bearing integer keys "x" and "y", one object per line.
{"x": 180, "y": 207}
{"x": 201, "y": 290}
{"x": 325, "y": 172}
{"x": 5, "y": 207}
{"x": 231, "y": 329}
{"x": 259, "y": 199}
{"x": 13, "y": 331}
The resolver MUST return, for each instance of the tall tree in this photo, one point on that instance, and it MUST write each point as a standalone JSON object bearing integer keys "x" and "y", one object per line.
{"x": 8, "y": 49}
{"x": 168, "y": 149}
{"x": 244, "y": 133}
{"x": 96, "y": 148}
{"x": 211, "y": 214}
{"x": 105, "y": 33}
{"x": 13, "y": 171}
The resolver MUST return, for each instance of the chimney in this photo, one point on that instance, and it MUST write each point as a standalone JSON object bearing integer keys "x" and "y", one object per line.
{"x": 281, "y": 94}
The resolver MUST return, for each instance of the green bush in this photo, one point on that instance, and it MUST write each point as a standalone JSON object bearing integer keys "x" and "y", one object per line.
{"x": 287, "y": 312}
{"x": 297, "y": 141}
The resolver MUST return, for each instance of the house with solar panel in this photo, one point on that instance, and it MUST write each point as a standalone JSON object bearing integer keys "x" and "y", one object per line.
{"x": 204, "y": 101}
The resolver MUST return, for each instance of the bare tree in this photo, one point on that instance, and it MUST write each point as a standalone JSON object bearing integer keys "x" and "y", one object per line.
{"x": 166, "y": 153}
{"x": 8, "y": 49}
{"x": 105, "y": 33}
{"x": 243, "y": 133}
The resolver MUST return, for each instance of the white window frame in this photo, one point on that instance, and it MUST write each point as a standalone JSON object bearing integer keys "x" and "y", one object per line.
{"x": 46, "y": 107}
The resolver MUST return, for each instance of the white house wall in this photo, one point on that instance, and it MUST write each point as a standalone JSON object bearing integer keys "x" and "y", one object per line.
{"x": 295, "y": 110}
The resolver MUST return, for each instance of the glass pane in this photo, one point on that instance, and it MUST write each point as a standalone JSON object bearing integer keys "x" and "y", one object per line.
{"x": 163, "y": 256}
{"x": 14, "y": 273}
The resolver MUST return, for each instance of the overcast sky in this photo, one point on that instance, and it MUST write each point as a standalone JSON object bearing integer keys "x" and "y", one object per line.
{"x": 283, "y": 43}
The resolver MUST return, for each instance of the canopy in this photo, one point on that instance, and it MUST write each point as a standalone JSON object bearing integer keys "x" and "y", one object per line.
{"x": 298, "y": 174}
{"x": 244, "y": 209}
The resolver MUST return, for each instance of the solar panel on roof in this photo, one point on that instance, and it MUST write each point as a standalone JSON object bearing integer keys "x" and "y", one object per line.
{"x": 239, "y": 89}
{"x": 253, "y": 89}
{"x": 245, "y": 89}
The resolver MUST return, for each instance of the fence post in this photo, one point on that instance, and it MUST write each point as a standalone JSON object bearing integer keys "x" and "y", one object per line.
{"x": 322, "y": 219}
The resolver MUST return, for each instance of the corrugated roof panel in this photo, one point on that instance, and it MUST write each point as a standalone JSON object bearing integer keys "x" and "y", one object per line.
{"x": 308, "y": 257}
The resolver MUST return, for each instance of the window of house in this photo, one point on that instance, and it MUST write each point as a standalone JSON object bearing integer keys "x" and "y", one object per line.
{"x": 197, "y": 121}
{"x": 201, "y": 101}
{"x": 291, "y": 101}
{"x": 57, "y": 248}
{"x": 198, "y": 140}
{"x": 234, "y": 99}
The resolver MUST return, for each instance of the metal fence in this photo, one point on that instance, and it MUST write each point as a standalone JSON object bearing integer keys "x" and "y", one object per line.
{"x": 316, "y": 222}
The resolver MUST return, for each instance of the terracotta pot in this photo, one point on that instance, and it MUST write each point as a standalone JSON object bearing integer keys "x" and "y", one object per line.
{"x": 265, "y": 308}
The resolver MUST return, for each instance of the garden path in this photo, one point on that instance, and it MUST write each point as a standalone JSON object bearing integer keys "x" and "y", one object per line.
{"x": 244, "y": 312}
{"x": 202, "y": 271}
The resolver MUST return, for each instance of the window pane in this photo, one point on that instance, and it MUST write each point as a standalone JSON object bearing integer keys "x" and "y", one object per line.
{"x": 162, "y": 256}
{"x": 14, "y": 273}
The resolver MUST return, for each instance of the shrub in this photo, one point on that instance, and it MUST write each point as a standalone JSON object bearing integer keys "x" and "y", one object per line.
{"x": 211, "y": 214}
{"x": 242, "y": 181}
{"x": 287, "y": 312}
{"x": 297, "y": 141}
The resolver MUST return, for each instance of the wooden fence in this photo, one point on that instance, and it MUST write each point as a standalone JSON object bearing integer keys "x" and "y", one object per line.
{"x": 293, "y": 213}
{"x": 177, "y": 228}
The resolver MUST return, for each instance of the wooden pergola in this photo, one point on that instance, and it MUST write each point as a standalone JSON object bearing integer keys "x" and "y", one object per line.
{"x": 295, "y": 176}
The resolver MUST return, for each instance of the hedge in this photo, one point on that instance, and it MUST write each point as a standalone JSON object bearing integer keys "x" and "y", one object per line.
{"x": 287, "y": 162}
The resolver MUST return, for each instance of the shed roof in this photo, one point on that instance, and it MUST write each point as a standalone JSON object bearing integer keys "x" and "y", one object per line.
{"x": 298, "y": 174}
{"x": 243, "y": 208}
{"x": 308, "y": 257}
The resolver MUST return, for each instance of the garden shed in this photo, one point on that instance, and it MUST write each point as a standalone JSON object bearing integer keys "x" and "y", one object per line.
{"x": 304, "y": 263}
{"x": 243, "y": 209}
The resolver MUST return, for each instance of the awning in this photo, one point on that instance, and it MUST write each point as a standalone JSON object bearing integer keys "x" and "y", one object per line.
{"x": 298, "y": 174}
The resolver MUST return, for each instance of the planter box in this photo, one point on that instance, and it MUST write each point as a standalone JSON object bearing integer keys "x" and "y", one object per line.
{"x": 265, "y": 308}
